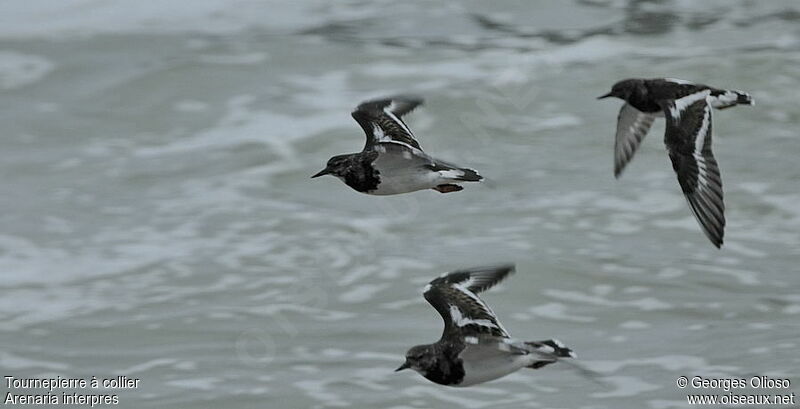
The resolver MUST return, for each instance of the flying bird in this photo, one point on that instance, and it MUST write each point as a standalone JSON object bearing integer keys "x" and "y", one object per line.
{"x": 687, "y": 109}
{"x": 392, "y": 161}
{"x": 474, "y": 346}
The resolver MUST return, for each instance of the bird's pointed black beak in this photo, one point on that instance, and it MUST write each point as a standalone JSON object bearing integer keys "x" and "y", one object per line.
{"x": 405, "y": 365}
{"x": 610, "y": 94}
{"x": 321, "y": 173}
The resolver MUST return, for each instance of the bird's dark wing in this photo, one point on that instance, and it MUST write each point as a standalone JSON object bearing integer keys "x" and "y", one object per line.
{"x": 632, "y": 126}
{"x": 382, "y": 120}
{"x": 688, "y": 140}
{"x": 673, "y": 88}
{"x": 454, "y": 295}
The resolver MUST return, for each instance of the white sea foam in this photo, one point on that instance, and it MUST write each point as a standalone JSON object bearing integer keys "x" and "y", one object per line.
{"x": 644, "y": 304}
{"x": 362, "y": 293}
{"x": 634, "y": 325}
{"x": 201, "y": 384}
{"x": 277, "y": 132}
{"x": 320, "y": 391}
{"x": 16, "y": 362}
{"x": 625, "y": 386}
{"x": 146, "y": 366}
{"x": 254, "y": 58}
{"x": 558, "y": 311}
{"x": 164, "y": 196}
{"x": 18, "y": 70}
{"x": 665, "y": 362}
{"x": 42, "y": 18}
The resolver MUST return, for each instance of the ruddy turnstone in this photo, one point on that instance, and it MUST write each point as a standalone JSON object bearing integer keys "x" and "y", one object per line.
{"x": 474, "y": 346}
{"x": 687, "y": 107}
{"x": 392, "y": 161}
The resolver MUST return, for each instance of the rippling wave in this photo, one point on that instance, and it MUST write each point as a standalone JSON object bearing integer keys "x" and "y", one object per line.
{"x": 159, "y": 220}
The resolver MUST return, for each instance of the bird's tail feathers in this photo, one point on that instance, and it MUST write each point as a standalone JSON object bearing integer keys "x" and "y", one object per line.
{"x": 456, "y": 174}
{"x": 743, "y": 98}
{"x": 552, "y": 350}
{"x": 731, "y": 98}
{"x": 587, "y": 373}
{"x": 470, "y": 175}
{"x": 552, "y": 347}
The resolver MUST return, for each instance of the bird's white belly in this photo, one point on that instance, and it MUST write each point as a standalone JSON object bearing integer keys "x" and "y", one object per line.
{"x": 404, "y": 182}
{"x": 403, "y": 173}
{"x": 482, "y": 364}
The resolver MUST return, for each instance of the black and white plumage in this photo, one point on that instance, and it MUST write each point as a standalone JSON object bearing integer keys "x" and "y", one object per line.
{"x": 474, "y": 346}
{"x": 392, "y": 161}
{"x": 687, "y": 109}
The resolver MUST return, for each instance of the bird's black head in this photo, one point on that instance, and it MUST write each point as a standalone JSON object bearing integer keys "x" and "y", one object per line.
{"x": 337, "y": 166}
{"x": 625, "y": 89}
{"x": 419, "y": 358}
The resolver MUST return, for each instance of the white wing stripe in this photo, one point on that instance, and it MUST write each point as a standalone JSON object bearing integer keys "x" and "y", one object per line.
{"x": 453, "y": 174}
{"x": 699, "y": 144}
{"x": 470, "y": 294}
{"x": 380, "y": 136}
{"x": 414, "y": 150}
{"x": 723, "y": 100}
{"x": 466, "y": 283}
{"x": 680, "y": 105}
{"x": 483, "y": 305}
{"x": 460, "y": 320}
{"x": 397, "y": 120}
{"x": 678, "y": 81}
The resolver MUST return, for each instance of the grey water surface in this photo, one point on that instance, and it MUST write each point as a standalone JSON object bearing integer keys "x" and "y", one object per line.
{"x": 157, "y": 219}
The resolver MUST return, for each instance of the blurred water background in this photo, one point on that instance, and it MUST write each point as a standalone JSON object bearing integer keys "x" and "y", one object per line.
{"x": 158, "y": 220}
